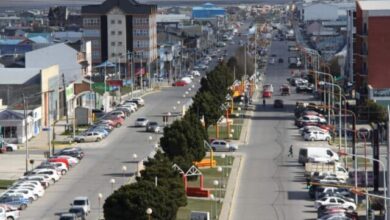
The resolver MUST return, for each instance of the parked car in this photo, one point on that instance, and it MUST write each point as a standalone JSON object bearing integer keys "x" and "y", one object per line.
{"x": 82, "y": 202}
{"x": 317, "y": 135}
{"x": 180, "y": 83}
{"x": 76, "y": 152}
{"x": 222, "y": 145}
{"x": 332, "y": 200}
{"x": 153, "y": 126}
{"x": 8, "y": 147}
{"x": 11, "y": 212}
{"x": 138, "y": 100}
{"x": 278, "y": 103}
{"x": 141, "y": 122}
{"x": 60, "y": 167}
{"x": 195, "y": 73}
{"x": 43, "y": 179}
{"x": 79, "y": 212}
{"x": 19, "y": 192}
{"x": 59, "y": 160}
{"x": 52, "y": 173}
{"x": 326, "y": 154}
{"x": 118, "y": 113}
{"x": 2, "y": 213}
{"x": 17, "y": 201}
{"x": 125, "y": 110}
{"x": 114, "y": 121}
{"x": 72, "y": 161}
{"x": 89, "y": 137}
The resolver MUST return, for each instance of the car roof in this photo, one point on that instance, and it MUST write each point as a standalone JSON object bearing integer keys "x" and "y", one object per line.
{"x": 81, "y": 198}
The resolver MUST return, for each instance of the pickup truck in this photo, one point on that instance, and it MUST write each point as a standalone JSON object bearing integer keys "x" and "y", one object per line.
{"x": 326, "y": 168}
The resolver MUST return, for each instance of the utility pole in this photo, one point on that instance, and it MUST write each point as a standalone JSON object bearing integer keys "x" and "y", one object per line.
{"x": 65, "y": 101}
{"x": 25, "y": 130}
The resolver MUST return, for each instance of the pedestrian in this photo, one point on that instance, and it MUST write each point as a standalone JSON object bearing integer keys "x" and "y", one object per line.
{"x": 290, "y": 151}
{"x": 264, "y": 102}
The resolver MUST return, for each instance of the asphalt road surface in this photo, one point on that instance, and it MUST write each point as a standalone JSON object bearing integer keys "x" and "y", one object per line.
{"x": 271, "y": 185}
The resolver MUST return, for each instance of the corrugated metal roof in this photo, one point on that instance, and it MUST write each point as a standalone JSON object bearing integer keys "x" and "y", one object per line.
{"x": 15, "y": 76}
{"x": 10, "y": 115}
{"x": 10, "y": 41}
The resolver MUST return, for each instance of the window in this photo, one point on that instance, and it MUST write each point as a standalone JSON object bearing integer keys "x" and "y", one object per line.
{"x": 119, "y": 32}
{"x": 119, "y": 21}
{"x": 112, "y": 32}
{"x": 112, "y": 21}
{"x": 119, "y": 54}
{"x": 119, "y": 43}
{"x": 332, "y": 200}
{"x": 113, "y": 54}
{"x": 112, "y": 43}
{"x": 8, "y": 132}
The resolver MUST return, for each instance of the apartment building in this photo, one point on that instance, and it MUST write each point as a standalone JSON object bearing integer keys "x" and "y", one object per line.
{"x": 372, "y": 50}
{"x": 117, "y": 27}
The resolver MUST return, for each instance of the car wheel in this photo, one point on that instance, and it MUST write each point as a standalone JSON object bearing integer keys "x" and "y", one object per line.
{"x": 52, "y": 181}
{"x": 81, "y": 140}
{"x": 63, "y": 172}
{"x": 327, "y": 139}
{"x": 118, "y": 125}
{"x": 10, "y": 218}
{"x": 36, "y": 196}
{"x": 23, "y": 206}
{"x": 98, "y": 139}
{"x": 31, "y": 199}
{"x": 10, "y": 149}
{"x": 350, "y": 208}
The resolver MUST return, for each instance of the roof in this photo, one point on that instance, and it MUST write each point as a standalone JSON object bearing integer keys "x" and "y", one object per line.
{"x": 39, "y": 40}
{"x": 374, "y": 5}
{"x": 10, "y": 115}
{"x": 10, "y": 41}
{"x": 127, "y": 6}
{"x": 15, "y": 76}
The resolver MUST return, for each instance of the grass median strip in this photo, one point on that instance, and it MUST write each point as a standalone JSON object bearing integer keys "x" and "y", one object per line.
{"x": 4, "y": 184}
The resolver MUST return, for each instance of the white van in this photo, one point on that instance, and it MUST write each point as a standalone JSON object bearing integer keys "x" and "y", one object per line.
{"x": 317, "y": 154}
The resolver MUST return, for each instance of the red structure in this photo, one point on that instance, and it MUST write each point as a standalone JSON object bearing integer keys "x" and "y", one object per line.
{"x": 194, "y": 191}
{"x": 372, "y": 47}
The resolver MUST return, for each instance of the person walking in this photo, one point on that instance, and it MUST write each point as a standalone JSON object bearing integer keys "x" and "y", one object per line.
{"x": 290, "y": 151}
{"x": 264, "y": 102}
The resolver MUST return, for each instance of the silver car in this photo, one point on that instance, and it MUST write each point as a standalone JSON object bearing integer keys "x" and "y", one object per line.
{"x": 222, "y": 145}
{"x": 141, "y": 122}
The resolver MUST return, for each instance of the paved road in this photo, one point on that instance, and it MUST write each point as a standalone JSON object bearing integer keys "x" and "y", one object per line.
{"x": 271, "y": 184}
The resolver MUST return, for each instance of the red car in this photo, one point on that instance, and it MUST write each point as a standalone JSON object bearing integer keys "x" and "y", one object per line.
{"x": 179, "y": 83}
{"x": 267, "y": 94}
{"x": 113, "y": 121}
{"x": 60, "y": 160}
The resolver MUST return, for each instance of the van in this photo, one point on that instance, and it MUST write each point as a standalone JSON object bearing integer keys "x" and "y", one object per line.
{"x": 317, "y": 154}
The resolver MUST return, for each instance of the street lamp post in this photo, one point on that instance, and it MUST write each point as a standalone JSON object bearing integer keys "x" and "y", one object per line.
{"x": 216, "y": 183}
{"x": 149, "y": 213}
{"x": 100, "y": 197}
{"x": 112, "y": 181}
{"x": 211, "y": 205}
{"x": 124, "y": 169}
{"x": 135, "y": 158}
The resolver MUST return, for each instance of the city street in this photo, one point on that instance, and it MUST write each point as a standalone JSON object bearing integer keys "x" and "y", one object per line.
{"x": 271, "y": 185}
{"x": 104, "y": 160}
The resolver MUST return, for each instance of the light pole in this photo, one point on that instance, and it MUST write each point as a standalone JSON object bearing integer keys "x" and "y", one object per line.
{"x": 232, "y": 132}
{"x": 216, "y": 183}
{"x": 223, "y": 157}
{"x": 112, "y": 181}
{"x": 211, "y": 205}
{"x": 100, "y": 197}
{"x": 149, "y": 213}
{"x": 124, "y": 169}
{"x": 220, "y": 170}
{"x": 135, "y": 158}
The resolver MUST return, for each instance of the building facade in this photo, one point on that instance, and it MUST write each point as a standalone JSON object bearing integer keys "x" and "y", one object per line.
{"x": 371, "y": 50}
{"x": 117, "y": 27}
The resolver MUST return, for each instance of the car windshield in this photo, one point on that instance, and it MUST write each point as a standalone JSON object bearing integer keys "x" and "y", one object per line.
{"x": 153, "y": 123}
{"x": 141, "y": 119}
{"x": 78, "y": 202}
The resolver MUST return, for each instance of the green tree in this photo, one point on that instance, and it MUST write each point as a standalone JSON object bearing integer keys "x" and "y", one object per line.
{"x": 131, "y": 202}
{"x": 161, "y": 167}
{"x": 376, "y": 113}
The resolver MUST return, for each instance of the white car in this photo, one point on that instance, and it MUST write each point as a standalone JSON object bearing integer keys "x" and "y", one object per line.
{"x": 130, "y": 105}
{"x": 11, "y": 212}
{"x": 52, "y": 173}
{"x": 222, "y": 145}
{"x": 82, "y": 202}
{"x": 8, "y": 146}
{"x": 141, "y": 122}
{"x": 336, "y": 201}
{"x": 43, "y": 179}
{"x": 195, "y": 73}
{"x": 39, "y": 191}
{"x": 90, "y": 136}
{"x": 331, "y": 179}
{"x": 305, "y": 129}
{"x": 317, "y": 135}
{"x": 140, "y": 101}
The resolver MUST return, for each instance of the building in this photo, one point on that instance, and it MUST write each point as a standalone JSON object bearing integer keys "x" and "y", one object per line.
{"x": 116, "y": 27}
{"x": 372, "y": 51}
{"x": 207, "y": 11}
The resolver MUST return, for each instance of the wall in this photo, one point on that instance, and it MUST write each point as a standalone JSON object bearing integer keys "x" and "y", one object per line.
{"x": 378, "y": 52}
{"x": 50, "y": 81}
{"x": 116, "y": 23}
{"x": 320, "y": 12}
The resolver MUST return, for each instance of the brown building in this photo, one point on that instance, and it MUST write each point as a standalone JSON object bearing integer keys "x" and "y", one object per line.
{"x": 117, "y": 27}
{"x": 372, "y": 50}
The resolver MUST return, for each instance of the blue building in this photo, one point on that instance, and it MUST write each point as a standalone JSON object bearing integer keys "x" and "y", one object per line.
{"x": 206, "y": 11}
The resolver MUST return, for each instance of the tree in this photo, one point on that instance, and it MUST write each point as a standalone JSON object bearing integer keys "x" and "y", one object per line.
{"x": 161, "y": 167}
{"x": 131, "y": 202}
{"x": 376, "y": 113}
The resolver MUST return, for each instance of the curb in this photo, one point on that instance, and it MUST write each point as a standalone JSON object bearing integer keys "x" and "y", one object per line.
{"x": 230, "y": 189}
